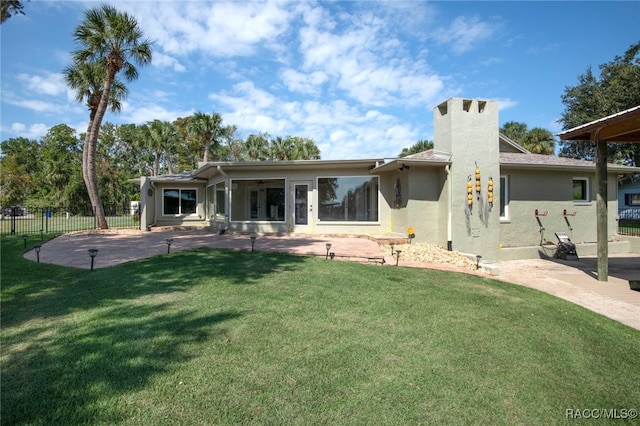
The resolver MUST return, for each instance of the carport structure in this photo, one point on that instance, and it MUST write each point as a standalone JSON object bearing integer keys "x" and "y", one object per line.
{"x": 623, "y": 127}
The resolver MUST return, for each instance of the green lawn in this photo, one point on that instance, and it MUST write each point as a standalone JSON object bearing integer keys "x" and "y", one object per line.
{"x": 227, "y": 337}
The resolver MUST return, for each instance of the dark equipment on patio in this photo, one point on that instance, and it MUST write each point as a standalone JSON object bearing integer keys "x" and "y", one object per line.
{"x": 565, "y": 249}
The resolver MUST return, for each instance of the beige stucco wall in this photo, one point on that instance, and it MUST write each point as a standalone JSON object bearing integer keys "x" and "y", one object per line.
{"x": 298, "y": 175}
{"x": 197, "y": 219}
{"x": 551, "y": 192}
{"x": 468, "y": 130}
{"x": 422, "y": 189}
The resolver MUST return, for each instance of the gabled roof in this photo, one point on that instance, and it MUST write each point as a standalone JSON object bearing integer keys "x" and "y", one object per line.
{"x": 621, "y": 127}
{"x": 508, "y": 145}
{"x": 427, "y": 158}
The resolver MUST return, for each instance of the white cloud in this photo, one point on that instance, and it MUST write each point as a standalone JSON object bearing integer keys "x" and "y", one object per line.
{"x": 215, "y": 28}
{"x": 506, "y": 103}
{"x": 34, "y": 131}
{"x": 464, "y": 33}
{"x": 51, "y": 84}
{"x": 139, "y": 114}
{"x": 340, "y": 129}
{"x": 366, "y": 61}
{"x": 309, "y": 84}
{"x": 167, "y": 61}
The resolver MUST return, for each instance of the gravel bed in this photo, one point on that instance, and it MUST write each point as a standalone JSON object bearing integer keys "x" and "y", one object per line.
{"x": 431, "y": 253}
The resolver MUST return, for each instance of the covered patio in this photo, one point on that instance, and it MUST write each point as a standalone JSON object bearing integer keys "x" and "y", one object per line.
{"x": 623, "y": 127}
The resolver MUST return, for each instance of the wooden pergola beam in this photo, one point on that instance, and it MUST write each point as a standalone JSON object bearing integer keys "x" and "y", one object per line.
{"x": 623, "y": 127}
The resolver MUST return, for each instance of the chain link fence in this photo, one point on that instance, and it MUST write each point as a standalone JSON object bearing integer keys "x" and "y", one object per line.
{"x": 19, "y": 220}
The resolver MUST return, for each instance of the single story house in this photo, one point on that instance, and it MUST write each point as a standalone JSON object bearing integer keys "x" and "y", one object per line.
{"x": 475, "y": 192}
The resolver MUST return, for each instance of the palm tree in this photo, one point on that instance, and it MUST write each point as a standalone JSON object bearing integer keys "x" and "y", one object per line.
{"x": 257, "y": 147}
{"x": 208, "y": 130}
{"x": 87, "y": 79}
{"x": 539, "y": 141}
{"x": 281, "y": 148}
{"x": 163, "y": 137}
{"x": 417, "y": 148}
{"x": 514, "y": 130}
{"x": 110, "y": 39}
{"x": 304, "y": 149}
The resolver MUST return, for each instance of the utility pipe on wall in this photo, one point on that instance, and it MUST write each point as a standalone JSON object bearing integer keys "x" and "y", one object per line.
{"x": 447, "y": 169}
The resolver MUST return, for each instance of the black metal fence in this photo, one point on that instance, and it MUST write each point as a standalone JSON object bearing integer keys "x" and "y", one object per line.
{"x": 629, "y": 221}
{"x": 36, "y": 220}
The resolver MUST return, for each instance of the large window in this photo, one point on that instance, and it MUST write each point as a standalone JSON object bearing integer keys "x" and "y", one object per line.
{"x": 220, "y": 200}
{"x": 504, "y": 198}
{"x": 348, "y": 199}
{"x": 179, "y": 201}
{"x": 581, "y": 190}
{"x": 258, "y": 200}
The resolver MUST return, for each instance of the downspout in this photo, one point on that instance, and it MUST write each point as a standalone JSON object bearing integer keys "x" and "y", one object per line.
{"x": 226, "y": 197}
{"x": 447, "y": 168}
{"x": 155, "y": 194}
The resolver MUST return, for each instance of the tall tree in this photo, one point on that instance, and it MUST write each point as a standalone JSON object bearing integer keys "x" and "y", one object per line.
{"x": 8, "y": 8}
{"x": 86, "y": 79}
{"x": 18, "y": 165}
{"x": 113, "y": 40}
{"x": 303, "y": 149}
{"x": 536, "y": 140}
{"x": 615, "y": 90}
{"x": 60, "y": 163}
{"x": 514, "y": 130}
{"x": 208, "y": 131}
{"x": 420, "y": 146}
{"x": 257, "y": 147}
{"x": 163, "y": 137}
{"x": 539, "y": 141}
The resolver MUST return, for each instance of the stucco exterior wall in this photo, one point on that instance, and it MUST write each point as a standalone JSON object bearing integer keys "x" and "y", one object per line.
{"x": 291, "y": 177}
{"x": 197, "y": 219}
{"x": 551, "y": 192}
{"x": 468, "y": 130}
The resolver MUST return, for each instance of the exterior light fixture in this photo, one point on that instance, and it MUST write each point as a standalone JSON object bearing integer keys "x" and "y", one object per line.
{"x": 169, "y": 242}
{"x": 253, "y": 242}
{"x": 24, "y": 237}
{"x": 398, "y": 256}
{"x": 328, "y": 247}
{"x": 478, "y": 257}
{"x": 392, "y": 244}
{"x": 93, "y": 253}
{"x": 37, "y": 249}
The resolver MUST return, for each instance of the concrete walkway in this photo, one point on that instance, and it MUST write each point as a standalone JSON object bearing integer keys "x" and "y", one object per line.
{"x": 573, "y": 281}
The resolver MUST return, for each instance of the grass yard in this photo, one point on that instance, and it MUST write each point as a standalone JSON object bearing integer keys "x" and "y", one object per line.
{"x": 226, "y": 337}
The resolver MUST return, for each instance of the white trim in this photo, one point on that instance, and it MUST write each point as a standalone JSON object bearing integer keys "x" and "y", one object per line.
{"x": 587, "y": 190}
{"x": 179, "y": 214}
{"x": 504, "y": 218}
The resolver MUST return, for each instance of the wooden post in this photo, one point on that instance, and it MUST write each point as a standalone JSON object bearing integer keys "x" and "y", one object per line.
{"x": 601, "y": 209}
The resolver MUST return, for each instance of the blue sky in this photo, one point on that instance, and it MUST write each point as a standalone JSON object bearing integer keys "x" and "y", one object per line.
{"x": 361, "y": 78}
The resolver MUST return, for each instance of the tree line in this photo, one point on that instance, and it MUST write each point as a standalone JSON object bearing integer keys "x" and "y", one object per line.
{"x": 111, "y": 45}
{"x": 48, "y": 172}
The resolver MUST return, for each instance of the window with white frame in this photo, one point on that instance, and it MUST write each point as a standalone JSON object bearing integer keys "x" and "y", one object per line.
{"x": 504, "y": 198}
{"x": 348, "y": 199}
{"x": 581, "y": 190}
{"x": 179, "y": 202}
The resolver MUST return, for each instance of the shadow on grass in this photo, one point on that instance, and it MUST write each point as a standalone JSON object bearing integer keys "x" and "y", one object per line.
{"x": 31, "y": 291}
{"x": 66, "y": 371}
{"x": 72, "y": 337}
